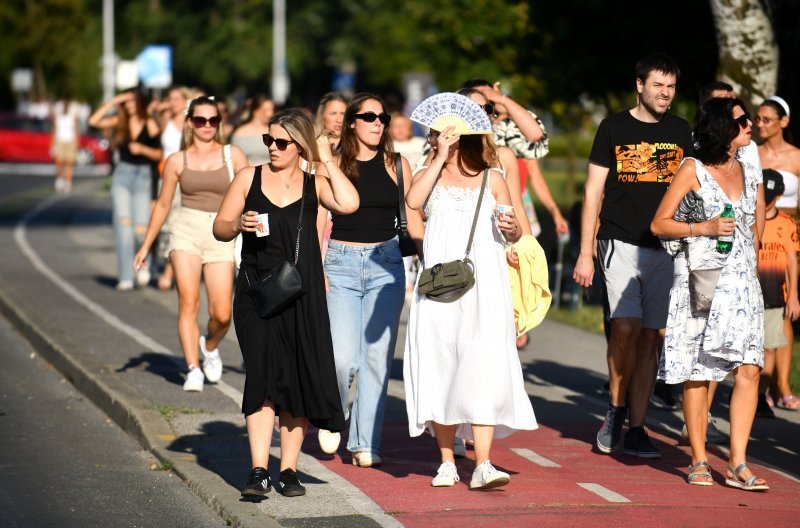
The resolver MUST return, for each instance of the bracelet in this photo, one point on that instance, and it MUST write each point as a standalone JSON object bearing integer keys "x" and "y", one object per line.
{"x": 326, "y": 162}
{"x": 691, "y": 229}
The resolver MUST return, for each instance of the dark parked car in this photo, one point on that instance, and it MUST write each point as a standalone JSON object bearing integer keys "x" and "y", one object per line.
{"x": 27, "y": 139}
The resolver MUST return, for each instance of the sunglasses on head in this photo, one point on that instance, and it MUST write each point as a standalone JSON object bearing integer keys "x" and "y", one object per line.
{"x": 200, "y": 122}
{"x": 280, "y": 143}
{"x": 370, "y": 117}
{"x": 743, "y": 120}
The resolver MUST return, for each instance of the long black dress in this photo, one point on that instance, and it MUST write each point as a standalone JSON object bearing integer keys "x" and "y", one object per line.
{"x": 289, "y": 357}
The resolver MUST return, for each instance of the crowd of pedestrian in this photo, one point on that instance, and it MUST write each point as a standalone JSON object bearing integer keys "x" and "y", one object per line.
{"x": 311, "y": 231}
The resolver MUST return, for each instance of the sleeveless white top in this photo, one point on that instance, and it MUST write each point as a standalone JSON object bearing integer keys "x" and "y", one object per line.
{"x": 170, "y": 139}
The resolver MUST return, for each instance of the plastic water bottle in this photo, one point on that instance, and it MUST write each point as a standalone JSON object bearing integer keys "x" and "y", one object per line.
{"x": 725, "y": 242}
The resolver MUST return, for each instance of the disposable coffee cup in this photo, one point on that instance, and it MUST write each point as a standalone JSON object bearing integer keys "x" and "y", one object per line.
{"x": 501, "y": 209}
{"x": 262, "y": 228}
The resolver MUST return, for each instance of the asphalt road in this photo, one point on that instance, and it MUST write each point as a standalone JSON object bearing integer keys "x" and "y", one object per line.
{"x": 64, "y": 463}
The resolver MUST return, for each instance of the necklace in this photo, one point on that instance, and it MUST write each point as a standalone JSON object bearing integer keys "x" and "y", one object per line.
{"x": 287, "y": 182}
{"x": 730, "y": 169}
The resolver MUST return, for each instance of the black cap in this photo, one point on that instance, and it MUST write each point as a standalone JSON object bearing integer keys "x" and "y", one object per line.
{"x": 773, "y": 185}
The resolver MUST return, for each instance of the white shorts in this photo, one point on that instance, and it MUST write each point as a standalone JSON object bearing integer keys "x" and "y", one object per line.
{"x": 638, "y": 280}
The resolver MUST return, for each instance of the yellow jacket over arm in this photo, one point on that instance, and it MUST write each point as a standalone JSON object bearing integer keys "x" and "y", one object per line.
{"x": 529, "y": 284}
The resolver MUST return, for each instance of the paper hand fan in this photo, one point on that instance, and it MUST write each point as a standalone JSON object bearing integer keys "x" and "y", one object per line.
{"x": 451, "y": 109}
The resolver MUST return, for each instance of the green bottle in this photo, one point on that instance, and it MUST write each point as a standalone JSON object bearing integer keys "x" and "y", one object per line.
{"x": 725, "y": 243}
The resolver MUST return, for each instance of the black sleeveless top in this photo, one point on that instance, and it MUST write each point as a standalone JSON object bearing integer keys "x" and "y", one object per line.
{"x": 146, "y": 140}
{"x": 376, "y": 217}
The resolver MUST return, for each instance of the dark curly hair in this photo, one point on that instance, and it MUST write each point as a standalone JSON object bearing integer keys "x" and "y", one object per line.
{"x": 715, "y": 130}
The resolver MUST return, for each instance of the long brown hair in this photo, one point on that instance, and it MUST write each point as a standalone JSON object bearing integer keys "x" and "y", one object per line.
{"x": 122, "y": 132}
{"x": 475, "y": 155}
{"x": 349, "y": 145}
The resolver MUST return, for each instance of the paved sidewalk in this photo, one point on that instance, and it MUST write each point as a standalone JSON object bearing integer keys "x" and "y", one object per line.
{"x": 122, "y": 351}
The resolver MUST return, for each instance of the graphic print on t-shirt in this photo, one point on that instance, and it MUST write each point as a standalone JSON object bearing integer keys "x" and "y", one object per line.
{"x": 647, "y": 162}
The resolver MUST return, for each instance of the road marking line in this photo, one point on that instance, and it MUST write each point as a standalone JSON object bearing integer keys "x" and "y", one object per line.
{"x": 354, "y": 496}
{"x": 536, "y": 458}
{"x": 607, "y": 494}
{"x": 785, "y": 450}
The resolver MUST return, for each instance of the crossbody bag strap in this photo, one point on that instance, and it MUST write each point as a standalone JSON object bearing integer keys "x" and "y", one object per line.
{"x": 300, "y": 220}
{"x": 401, "y": 201}
{"x": 477, "y": 211}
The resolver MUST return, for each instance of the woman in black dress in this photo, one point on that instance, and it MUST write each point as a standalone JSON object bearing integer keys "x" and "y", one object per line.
{"x": 289, "y": 357}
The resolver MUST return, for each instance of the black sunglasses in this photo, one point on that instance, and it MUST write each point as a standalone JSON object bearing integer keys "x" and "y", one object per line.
{"x": 744, "y": 120}
{"x": 489, "y": 107}
{"x": 370, "y": 117}
{"x": 280, "y": 143}
{"x": 200, "y": 122}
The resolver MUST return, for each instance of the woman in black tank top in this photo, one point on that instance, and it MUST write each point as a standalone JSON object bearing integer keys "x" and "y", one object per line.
{"x": 289, "y": 357}
{"x": 365, "y": 274}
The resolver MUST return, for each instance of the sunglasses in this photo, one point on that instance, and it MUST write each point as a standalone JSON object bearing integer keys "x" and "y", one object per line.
{"x": 200, "y": 122}
{"x": 743, "y": 120}
{"x": 489, "y": 107}
{"x": 369, "y": 117}
{"x": 280, "y": 143}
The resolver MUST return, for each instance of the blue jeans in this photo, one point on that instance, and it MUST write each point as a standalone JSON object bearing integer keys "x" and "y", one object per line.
{"x": 367, "y": 291}
{"x": 130, "y": 205}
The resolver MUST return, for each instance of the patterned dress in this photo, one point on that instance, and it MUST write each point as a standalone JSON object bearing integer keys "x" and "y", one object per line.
{"x": 733, "y": 334}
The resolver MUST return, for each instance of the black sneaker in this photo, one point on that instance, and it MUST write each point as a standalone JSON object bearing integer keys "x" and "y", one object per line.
{"x": 290, "y": 485}
{"x": 637, "y": 443}
{"x": 258, "y": 484}
{"x": 763, "y": 410}
{"x": 610, "y": 434}
{"x": 663, "y": 396}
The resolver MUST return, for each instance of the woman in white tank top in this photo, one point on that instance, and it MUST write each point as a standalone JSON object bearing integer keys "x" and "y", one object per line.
{"x": 778, "y": 153}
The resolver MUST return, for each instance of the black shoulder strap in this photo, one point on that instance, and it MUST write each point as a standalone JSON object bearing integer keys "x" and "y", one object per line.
{"x": 401, "y": 199}
{"x": 477, "y": 210}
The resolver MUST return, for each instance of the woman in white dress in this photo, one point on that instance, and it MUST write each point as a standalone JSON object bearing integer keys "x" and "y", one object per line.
{"x": 730, "y": 338}
{"x": 461, "y": 369}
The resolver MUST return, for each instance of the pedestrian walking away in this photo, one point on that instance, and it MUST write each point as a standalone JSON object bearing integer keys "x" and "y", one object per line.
{"x": 204, "y": 175}
{"x": 288, "y": 357}
{"x": 716, "y": 308}
{"x": 633, "y": 159}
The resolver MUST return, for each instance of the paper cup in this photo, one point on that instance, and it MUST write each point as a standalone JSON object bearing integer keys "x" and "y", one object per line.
{"x": 500, "y": 209}
{"x": 262, "y": 229}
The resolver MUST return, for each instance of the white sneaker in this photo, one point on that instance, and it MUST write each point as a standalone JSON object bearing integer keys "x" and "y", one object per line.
{"x": 486, "y": 476}
{"x": 460, "y": 448}
{"x": 124, "y": 285}
{"x": 328, "y": 441}
{"x": 366, "y": 459}
{"x": 143, "y": 277}
{"x": 212, "y": 362}
{"x": 194, "y": 380}
{"x": 446, "y": 475}
{"x": 59, "y": 185}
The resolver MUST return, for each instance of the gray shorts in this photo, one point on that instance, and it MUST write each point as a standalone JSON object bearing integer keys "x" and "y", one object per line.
{"x": 638, "y": 280}
{"x": 773, "y": 328}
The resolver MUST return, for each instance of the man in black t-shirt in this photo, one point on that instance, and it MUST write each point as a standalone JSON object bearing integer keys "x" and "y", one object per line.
{"x": 634, "y": 157}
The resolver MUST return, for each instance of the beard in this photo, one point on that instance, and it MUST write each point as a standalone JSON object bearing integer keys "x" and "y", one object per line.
{"x": 652, "y": 108}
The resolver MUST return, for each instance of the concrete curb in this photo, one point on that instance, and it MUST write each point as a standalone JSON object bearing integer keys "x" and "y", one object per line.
{"x": 132, "y": 413}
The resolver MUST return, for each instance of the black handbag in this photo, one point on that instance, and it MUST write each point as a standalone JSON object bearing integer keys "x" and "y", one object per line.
{"x": 281, "y": 286}
{"x": 407, "y": 246}
{"x": 449, "y": 281}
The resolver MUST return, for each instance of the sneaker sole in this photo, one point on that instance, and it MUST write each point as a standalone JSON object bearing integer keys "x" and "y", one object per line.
{"x": 496, "y": 483}
{"x": 255, "y": 493}
{"x": 444, "y": 484}
{"x": 293, "y": 493}
{"x": 642, "y": 455}
{"x": 192, "y": 389}
{"x": 607, "y": 450}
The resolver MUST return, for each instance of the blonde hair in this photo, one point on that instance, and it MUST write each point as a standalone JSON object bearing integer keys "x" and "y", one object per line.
{"x": 300, "y": 128}
{"x": 323, "y": 106}
{"x": 188, "y": 137}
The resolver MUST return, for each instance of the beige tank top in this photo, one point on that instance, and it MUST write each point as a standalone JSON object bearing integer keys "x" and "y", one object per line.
{"x": 203, "y": 190}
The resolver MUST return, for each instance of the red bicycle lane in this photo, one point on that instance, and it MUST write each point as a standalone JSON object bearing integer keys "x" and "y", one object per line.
{"x": 557, "y": 479}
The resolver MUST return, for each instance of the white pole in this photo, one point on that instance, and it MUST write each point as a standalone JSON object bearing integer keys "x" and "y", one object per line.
{"x": 280, "y": 74}
{"x": 108, "y": 49}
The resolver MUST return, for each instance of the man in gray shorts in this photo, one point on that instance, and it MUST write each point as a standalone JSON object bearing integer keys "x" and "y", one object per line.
{"x": 634, "y": 157}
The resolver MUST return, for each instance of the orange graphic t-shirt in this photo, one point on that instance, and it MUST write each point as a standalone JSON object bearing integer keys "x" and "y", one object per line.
{"x": 780, "y": 236}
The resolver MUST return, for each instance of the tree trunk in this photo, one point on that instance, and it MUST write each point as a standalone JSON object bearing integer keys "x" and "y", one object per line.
{"x": 748, "y": 53}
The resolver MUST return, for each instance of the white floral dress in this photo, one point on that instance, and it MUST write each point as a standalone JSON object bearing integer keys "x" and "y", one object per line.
{"x": 733, "y": 334}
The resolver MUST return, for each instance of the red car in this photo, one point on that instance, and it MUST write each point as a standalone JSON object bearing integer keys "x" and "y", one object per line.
{"x": 27, "y": 139}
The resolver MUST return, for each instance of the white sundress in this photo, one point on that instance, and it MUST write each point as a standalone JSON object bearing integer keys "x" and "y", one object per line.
{"x": 461, "y": 364}
{"x": 733, "y": 334}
